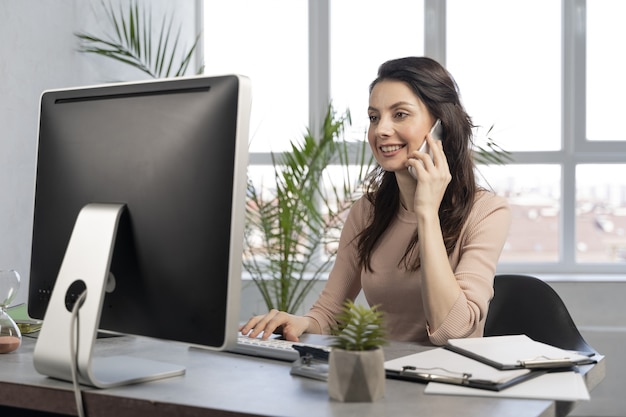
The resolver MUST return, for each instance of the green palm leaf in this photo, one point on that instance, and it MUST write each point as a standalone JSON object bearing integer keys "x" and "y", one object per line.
{"x": 491, "y": 153}
{"x": 298, "y": 219}
{"x": 131, "y": 42}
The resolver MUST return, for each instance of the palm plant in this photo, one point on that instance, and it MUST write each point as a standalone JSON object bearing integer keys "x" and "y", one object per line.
{"x": 131, "y": 42}
{"x": 288, "y": 231}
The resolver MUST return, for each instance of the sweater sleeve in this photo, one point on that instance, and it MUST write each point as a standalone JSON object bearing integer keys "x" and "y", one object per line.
{"x": 344, "y": 280}
{"x": 474, "y": 262}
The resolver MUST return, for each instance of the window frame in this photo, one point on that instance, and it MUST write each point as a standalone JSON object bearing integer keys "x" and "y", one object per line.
{"x": 575, "y": 149}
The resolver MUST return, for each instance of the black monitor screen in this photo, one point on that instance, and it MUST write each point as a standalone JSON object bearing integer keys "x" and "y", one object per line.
{"x": 174, "y": 152}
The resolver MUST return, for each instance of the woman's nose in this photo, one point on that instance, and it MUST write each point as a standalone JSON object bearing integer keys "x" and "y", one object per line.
{"x": 384, "y": 127}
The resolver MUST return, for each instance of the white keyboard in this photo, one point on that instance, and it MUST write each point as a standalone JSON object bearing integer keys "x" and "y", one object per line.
{"x": 271, "y": 348}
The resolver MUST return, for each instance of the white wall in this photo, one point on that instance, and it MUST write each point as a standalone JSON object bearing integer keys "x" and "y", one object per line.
{"x": 38, "y": 51}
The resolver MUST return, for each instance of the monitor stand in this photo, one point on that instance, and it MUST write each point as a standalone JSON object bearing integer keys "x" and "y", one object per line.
{"x": 86, "y": 267}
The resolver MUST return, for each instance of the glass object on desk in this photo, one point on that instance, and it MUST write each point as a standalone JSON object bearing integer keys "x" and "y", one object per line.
{"x": 10, "y": 336}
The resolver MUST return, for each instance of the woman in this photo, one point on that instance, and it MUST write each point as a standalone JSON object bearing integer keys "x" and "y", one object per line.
{"x": 424, "y": 241}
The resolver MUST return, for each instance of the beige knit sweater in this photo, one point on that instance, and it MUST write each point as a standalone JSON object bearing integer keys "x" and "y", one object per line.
{"x": 398, "y": 292}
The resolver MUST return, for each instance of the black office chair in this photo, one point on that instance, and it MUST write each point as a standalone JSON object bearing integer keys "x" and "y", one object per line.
{"x": 527, "y": 305}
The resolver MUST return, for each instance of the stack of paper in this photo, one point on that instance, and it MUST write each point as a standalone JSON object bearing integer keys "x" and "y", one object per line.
{"x": 517, "y": 351}
{"x": 556, "y": 386}
{"x": 501, "y": 366}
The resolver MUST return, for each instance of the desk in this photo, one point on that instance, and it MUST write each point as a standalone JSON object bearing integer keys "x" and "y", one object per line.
{"x": 226, "y": 385}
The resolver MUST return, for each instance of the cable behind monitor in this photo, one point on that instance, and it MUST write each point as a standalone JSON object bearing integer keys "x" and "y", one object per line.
{"x": 85, "y": 267}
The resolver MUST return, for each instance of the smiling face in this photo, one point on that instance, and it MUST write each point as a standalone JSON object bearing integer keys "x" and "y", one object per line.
{"x": 399, "y": 123}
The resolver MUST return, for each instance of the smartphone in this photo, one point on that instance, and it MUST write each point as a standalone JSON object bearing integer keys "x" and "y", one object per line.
{"x": 436, "y": 133}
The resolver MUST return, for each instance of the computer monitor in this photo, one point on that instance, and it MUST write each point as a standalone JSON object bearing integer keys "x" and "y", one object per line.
{"x": 153, "y": 172}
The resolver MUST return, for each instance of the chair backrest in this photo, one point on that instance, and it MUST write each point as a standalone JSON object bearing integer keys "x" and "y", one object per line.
{"x": 527, "y": 305}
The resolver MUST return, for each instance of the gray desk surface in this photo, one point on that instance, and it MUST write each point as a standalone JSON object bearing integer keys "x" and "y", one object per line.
{"x": 225, "y": 384}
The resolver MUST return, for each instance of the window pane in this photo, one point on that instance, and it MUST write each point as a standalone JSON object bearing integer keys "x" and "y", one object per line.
{"x": 267, "y": 41}
{"x": 262, "y": 177}
{"x": 533, "y": 192}
{"x": 364, "y": 34}
{"x": 606, "y": 66}
{"x": 506, "y": 58}
{"x": 600, "y": 213}
{"x": 342, "y": 186}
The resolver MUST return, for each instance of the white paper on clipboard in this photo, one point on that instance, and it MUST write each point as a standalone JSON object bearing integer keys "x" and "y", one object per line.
{"x": 556, "y": 386}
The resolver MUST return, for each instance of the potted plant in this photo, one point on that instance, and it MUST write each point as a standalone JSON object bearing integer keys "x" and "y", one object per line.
{"x": 356, "y": 367}
{"x": 291, "y": 231}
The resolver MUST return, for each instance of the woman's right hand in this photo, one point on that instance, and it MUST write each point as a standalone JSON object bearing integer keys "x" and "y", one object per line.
{"x": 289, "y": 325}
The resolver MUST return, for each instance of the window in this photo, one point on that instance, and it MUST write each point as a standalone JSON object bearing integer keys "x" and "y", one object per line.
{"x": 606, "y": 65}
{"x": 547, "y": 93}
{"x": 509, "y": 76}
{"x": 533, "y": 192}
{"x": 364, "y": 34}
{"x": 600, "y": 213}
{"x": 266, "y": 41}
{"x": 543, "y": 74}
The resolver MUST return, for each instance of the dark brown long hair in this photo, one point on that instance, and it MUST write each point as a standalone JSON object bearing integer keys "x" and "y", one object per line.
{"x": 436, "y": 88}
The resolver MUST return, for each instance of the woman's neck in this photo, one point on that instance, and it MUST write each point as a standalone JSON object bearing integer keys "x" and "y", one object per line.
{"x": 406, "y": 186}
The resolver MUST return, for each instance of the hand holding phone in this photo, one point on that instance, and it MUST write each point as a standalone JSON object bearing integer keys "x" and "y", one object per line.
{"x": 436, "y": 133}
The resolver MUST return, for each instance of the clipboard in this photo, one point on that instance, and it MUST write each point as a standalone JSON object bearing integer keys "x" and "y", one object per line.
{"x": 517, "y": 352}
{"x": 445, "y": 366}
{"x": 552, "y": 386}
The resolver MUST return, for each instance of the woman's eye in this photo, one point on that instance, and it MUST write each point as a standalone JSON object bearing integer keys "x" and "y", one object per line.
{"x": 373, "y": 118}
{"x": 401, "y": 115}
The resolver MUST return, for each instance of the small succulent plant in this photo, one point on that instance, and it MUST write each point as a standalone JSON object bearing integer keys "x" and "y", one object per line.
{"x": 359, "y": 328}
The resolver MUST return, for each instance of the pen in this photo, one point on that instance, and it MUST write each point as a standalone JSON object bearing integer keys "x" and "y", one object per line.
{"x": 463, "y": 379}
